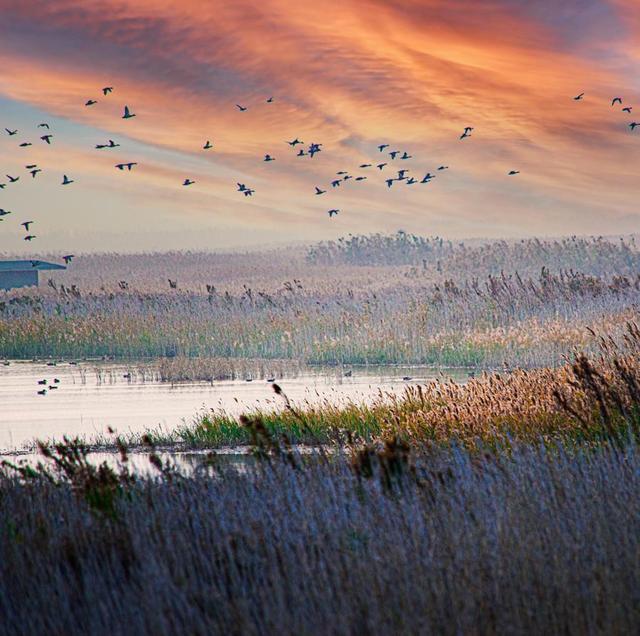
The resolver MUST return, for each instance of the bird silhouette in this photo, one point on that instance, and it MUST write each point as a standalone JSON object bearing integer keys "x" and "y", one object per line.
{"x": 90, "y": 102}
{"x": 406, "y": 156}
{"x": 26, "y": 225}
{"x": 381, "y": 147}
{"x": 360, "y": 178}
{"x": 270, "y": 100}
{"x": 4, "y": 212}
{"x": 173, "y": 283}
{"x": 241, "y": 187}
{"x": 295, "y": 142}
{"x": 29, "y": 237}
{"x": 66, "y": 180}
{"x": 577, "y": 98}
{"x": 335, "y": 183}
{"x": 411, "y": 181}
{"x": 35, "y": 171}
{"x": 347, "y": 177}
{"x": 513, "y": 172}
{"x": 207, "y": 146}
{"x": 248, "y": 192}
{"x": 633, "y": 125}
{"x": 3, "y": 186}
{"x": 301, "y": 153}
{"x": 394, "y": 153}
{"x": 341, "y": 172}
{"x": 365, "y": 165}
{"x": 111, "y": 144}
{"x": 107, "y": 89}
{"x": 24, "y": 144}
{"x": 43, "y": 125}
{"x": 319, "y": 191}
{"x": 241, "y": 108}
{"x": 42, "y": 382}
{"x": 627, "y": 109}
{"x": 12, "y": 132}
{"x": 443, "y": 168}
{"x": 401, "y": 173}
{"x": 269, "y": 158}
{"x": 46, "y": 138}
{"x": 187, "y": 182}
{"x": 128, "y": 166}
{"x": 42, "y": 392}
{"x": 381, "y": 165}
{"x": 127, "y": 113}
{"x": 427, "y": 177}
{"x": 313, "y": 149}
{"x": 67, "y": 258}
{"x": 389, "y": 182}
{"x": 616, "y": 100}
{"x": 31, "y": 166}
{"x": 332, "y": 212}
{"x": 12, "y": 179}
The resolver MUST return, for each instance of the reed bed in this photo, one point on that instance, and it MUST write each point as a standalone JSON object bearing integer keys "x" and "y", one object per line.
{"x": 377, "y": 542}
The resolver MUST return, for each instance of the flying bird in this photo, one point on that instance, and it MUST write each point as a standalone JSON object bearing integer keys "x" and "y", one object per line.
{"x": 633, "y": 125}
{"x": 360, "y": 178}
{"x": 270, "y": 100}
{"x": 127, "y": 113}
{"x": 616, "y": 100}
{"x": 389, "y": 182}
{"x": 513, "y": 172}
{"x": 241, "y": 187}
{"x": 578, "y": 97}
{"x": 111, "y": 144}
{"x": 12, "y": 132}
{"x": 90, "y": 102}
{"x": 341, "y": 172}
{"x": 4, "y": 212}
{"x": 67, "y": 258}
{"x": 269, "y": 158}
{"x": 241, "y": 108}
{"x": 332, "y": 212}
{"x": 627, "y": 109}
{"x": 406, "y": 156}
{"x": 43, "y": 125}
{"x": 381, "y": 147}
{"x": 335, "y": 183}
{"x": 26, "y": 225}
{"x": 365, "y": 165}
{"x": 411, "y": 181}
{"x": 35, "y": 171}
{"x": 128, "y": 166}
{"x": 207, "y": 146}
{"x": 24, "y": 144}
{"x": 107, "y": 89}
{"x": 66, "y": 180}
{"x": 31, "y": 166}
{"x": 29, "y": 237}
{"x": 295, "y": 142}
{"x": 319, "y": 191}
{"x": 46, "y": 138}
{"x": 12, "y": 179}
{"x": 301, "y": 153}
{"x": 427, "y": 177}
{"x": 347, "y": 177}
{"x": 3, "y": 186}
{"x": 381, "y": 165}
{"x": 443, "y": 168}
{"x": 401, "y": 173}
{"x": 187, "y": 182}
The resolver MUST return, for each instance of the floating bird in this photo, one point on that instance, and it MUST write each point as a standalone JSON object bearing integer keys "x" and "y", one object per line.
{"x": 128, "y": 166}
{"x": 127, "y": 113}
{"x": 332, "y": 212}
{"x": 627, "y": 109}
{"x": 381, "y": 165}
{"x": 46, "y": 138}
{"x": 12, "y": 179}
{"x": 29, "y": 237}
{"x": 12, "y": 132}
{"x": 270, "y": 100}
{"x": 241, "y": 187}
{"x": 513, "y": 172}
{"x": 319, "y": 191}
{"x": 107, "y": 89}
{"x": 295, "y": 142}
{"x": 207, "y": 146}
{"x": 35, "y": 171}
{"x": 443, "y": 168}
{"x": 381, "y": 147}
{"x": 365, "y": 165}
{"x": 577, "y": 98}
{"x": 4, "y": 212}
{"x": 67, "y": 258}
{"x": 111, "y": 144}
{"x": 394, "y": 153}
{"x": 269, "y": 158}
{"x": 66, "y": 180}
{"x": 241, "y": 108}
{"x": 26, "y": 225}
{"x": 43, "y": 125}
{"x": 633, "y": 125}
{"x": 335, "y": 183}
{"x": 616, "y": 99}
{"x": 187, "y": 182}
{"x": 406, "y": 156}
{"x": 24, "y": 144}
{"x": 90, "y": 102}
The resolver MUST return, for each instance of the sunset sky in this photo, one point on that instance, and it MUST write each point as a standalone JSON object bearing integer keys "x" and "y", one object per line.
{"x": 350, "y": 74}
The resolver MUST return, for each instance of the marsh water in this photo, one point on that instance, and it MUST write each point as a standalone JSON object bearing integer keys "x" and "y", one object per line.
{"x": 92, "y": 397}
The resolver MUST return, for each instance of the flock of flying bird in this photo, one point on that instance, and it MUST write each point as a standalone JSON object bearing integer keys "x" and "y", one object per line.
{"x": 342, "y": 177}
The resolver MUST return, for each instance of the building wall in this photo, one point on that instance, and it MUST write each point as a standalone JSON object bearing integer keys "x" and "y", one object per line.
{"x": 9, "y": 280}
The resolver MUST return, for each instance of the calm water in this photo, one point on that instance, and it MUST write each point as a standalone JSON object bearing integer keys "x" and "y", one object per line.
{"x": 83, "y": 405}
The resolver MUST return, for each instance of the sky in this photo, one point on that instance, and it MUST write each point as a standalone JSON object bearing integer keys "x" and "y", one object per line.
{"x": 349, "y": 74}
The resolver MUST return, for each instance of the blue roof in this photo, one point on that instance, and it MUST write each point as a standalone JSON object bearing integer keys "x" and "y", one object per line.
{"x": 22, "y": 266}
